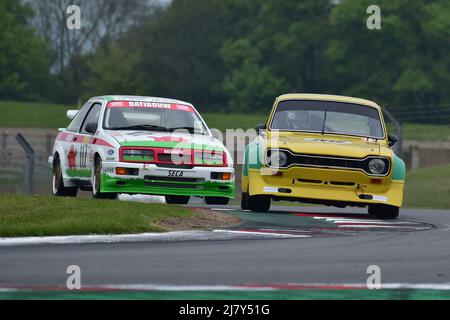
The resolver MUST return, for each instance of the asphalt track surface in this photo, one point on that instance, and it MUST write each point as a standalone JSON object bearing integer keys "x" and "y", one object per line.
{"x": 328, "y": 246}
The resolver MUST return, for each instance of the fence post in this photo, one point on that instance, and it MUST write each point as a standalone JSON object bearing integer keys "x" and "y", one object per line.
{"x": 30, "y": 167}
{"x": 398, "y": 148}
{"x": 415, "y": 157}
{"x": 48, "y": 143}
{"x": 4, "y": 144}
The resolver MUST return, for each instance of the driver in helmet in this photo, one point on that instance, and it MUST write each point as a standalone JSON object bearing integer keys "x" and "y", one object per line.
{"x": 303, "y": 120}
{"x": 298, "y": 120}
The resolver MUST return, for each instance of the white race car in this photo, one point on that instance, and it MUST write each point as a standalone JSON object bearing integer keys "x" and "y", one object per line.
{"x": 141, "y": 145}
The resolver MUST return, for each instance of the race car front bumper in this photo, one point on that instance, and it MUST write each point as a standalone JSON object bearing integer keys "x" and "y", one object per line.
{"x": 326, "y": 186}
{"x": 154, "y": 180}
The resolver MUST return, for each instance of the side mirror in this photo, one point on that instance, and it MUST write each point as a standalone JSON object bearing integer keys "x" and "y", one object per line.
{"x": 260, "y": 126}
{"x": 91, "y": 127}
{"x": 71, "y": 114}
{"x": 392, "y": 139}
{"x": 216, "y": 133}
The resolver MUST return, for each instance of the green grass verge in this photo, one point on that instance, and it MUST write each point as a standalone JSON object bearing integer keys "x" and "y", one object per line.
{"x": 51, "y": 216}
{"x": 428, "y": 188}
{"x": 400, "y": 294}
{"x": 33, "y": 115}
{"x": 46, "y": 115}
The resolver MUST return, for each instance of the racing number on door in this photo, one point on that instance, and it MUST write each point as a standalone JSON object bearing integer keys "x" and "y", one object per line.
{"x": 83, "y": 156}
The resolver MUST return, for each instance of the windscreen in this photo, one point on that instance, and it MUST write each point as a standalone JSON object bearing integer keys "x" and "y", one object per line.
{"x": 328, "y": 117}
{"x": 153, "y": 116}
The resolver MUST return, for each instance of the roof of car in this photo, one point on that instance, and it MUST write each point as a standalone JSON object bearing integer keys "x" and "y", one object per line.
{"x": 141, "y": 98}
{"x": 327, "y": 97}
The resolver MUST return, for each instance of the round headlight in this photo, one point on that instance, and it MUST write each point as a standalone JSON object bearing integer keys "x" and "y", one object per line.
{"x": 277, "y": 159}
{"x": 377, "y": 166}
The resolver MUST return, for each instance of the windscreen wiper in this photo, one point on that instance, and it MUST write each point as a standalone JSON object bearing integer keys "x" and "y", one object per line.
{"x": 324, "y": 122}
{"x": 142, "y": 127}
{"x": 190, "y": 129}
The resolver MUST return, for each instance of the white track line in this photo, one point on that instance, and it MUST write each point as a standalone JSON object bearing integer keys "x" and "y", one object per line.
{"x": 374, "y": 222}
{"x": 371, "y": 221}
{"x": 273, "y": 234}
{"x": 372, "y": 226}
{"x": 269, "y": 287}
{"x": 144, "y": 237}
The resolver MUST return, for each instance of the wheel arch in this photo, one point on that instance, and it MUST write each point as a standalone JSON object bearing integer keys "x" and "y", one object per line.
{"x": 399, "y": 169}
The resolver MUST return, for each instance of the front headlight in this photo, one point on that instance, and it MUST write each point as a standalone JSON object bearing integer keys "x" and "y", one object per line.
{"x": 137, "y": 155}
{"x": 209, "y": 158}
{"x": 377, "y": 166}
{"x": 276, "y": 159}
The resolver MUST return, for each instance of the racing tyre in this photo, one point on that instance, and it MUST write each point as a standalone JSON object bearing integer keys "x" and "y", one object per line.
{"x": 58, "y": 188}
{"x": 217, "y": 200}
{"x": 96, "y": 194}
{"x": 244, "y": 201}
{"x": 259, "y": 203}
{"x": 177, "y": 199}
{"x": 383, "y": 211}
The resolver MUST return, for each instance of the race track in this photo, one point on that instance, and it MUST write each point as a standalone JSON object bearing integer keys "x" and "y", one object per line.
{"x": 327, "y": 246}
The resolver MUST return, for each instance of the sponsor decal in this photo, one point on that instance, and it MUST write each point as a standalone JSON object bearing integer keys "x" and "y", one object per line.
{"x": 110, "y": 152}
{"x": 327, "y": 141}
{"x": 72, "y": 158}
{"x": 147, "y": 104}
{"x": 176, "y": 151}
{"x": 380, "y": 198}
{"x": 173, "y": 173}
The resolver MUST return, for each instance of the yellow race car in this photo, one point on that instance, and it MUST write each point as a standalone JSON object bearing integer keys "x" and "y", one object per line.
{"x": 324, "y": 149}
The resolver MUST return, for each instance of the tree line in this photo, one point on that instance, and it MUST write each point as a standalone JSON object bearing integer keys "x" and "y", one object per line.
{"x": 229, "y": 55}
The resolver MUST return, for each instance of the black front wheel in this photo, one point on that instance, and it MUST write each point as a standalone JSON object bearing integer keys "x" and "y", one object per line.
{"x": 384, "y": 211}
{"x": 244, "y": 201}
{"x": 259, "y": 203}
{"x": 177, "y": 199}
{"x": 217, "y": 201}
{"x": 58, "y": 188}
{"x": 96, "y": 182}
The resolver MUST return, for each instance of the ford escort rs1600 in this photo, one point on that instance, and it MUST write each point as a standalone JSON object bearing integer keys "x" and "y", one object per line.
{"x": 141, "y": 145}
{"x": 324, "y": 149}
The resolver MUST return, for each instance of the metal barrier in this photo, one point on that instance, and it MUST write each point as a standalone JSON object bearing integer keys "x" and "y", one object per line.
{"x": 30, "y": 166}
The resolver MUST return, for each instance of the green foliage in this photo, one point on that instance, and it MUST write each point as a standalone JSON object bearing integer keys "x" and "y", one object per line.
{"x": 282, "y": 52}
{"x": 238, "y": 55}
{"x": 180, "y": 52}
{"x": 23, "y": 61}
{"x": 113, "y": 71}
{"x": 250, "y": 85}
{"x": 404, "y": 63}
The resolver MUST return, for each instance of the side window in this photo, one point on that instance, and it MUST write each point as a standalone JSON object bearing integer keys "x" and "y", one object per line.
{"x": 92, "y": 117}
{"x": 74, "y": 126}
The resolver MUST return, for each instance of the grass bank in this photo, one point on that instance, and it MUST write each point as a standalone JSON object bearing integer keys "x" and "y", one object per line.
{"x": 50, "y": 216}
{"x": 428, "y": 188}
